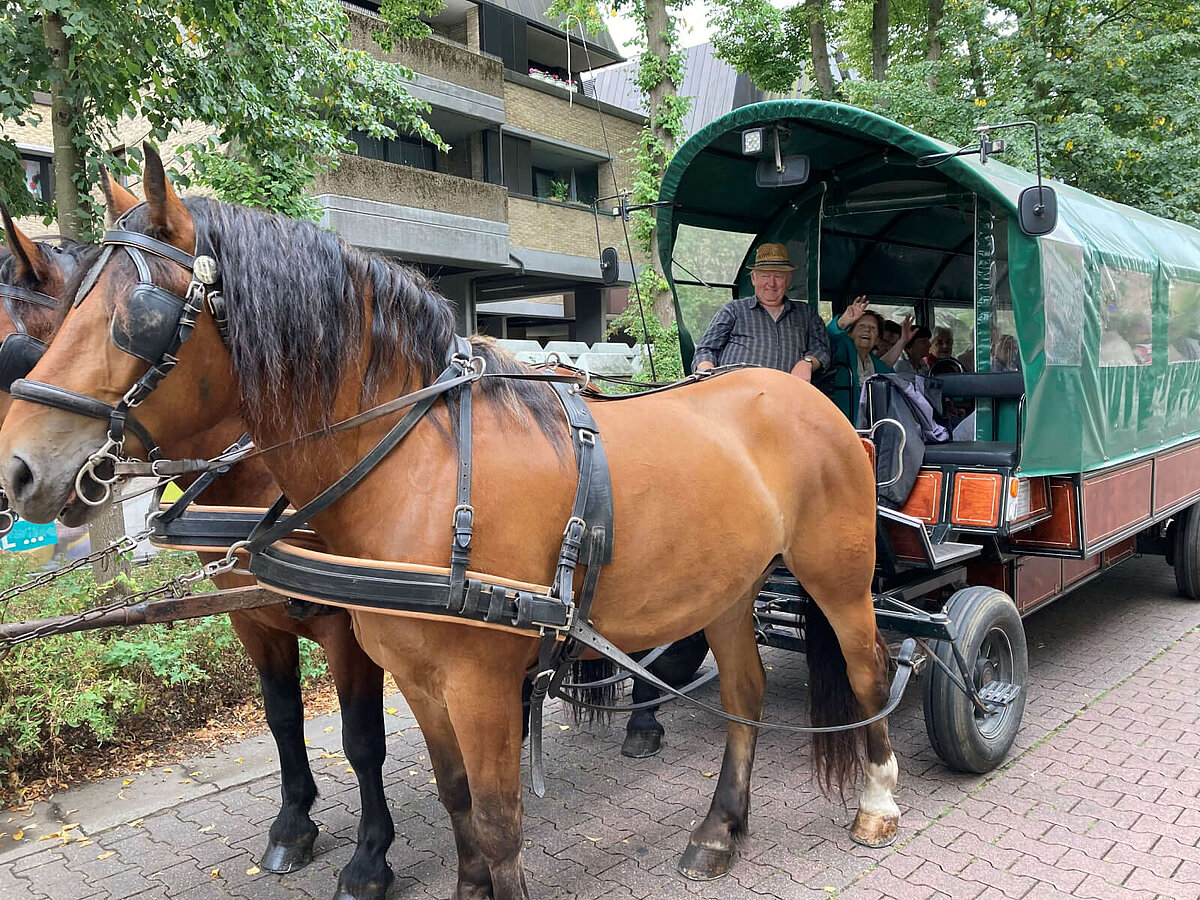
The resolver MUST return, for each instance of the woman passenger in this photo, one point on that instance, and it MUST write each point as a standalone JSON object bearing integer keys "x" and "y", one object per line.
{"x": 852, "y": 339}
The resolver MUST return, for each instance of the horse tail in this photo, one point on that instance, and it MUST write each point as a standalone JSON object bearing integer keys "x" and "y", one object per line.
{"x": 584, "y": 671}
{"x": 837, "y": 755}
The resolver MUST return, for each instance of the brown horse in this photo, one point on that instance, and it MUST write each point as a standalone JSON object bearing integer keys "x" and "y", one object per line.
{"x": 270, "y": 633}
{"x": 712, "y": 484}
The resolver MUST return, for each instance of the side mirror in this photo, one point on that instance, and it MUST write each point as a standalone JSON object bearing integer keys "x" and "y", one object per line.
{"x": 1037, "y": 210}
{"x": 790, "y": 171}
{"x": 610, "y": 265}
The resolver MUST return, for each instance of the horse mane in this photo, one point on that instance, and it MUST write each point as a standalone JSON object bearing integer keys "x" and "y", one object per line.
{"x": 297, "y": 297}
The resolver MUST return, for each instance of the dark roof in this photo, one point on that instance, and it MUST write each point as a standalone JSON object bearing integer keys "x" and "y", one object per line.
{"x": 714, "y": 86}
{"x": 535, "y": 12}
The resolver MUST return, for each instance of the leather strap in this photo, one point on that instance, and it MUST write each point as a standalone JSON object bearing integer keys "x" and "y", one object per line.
{"x": 13, "y": 292}
{"x": 135, "y": 239}
{"x": 61, "y": 398}
{"x": 463, "y": 519}
{"x": 271, "y": 529}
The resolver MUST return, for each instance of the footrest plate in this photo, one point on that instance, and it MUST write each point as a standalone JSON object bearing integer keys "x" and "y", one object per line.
{"x": 999, "y": 693}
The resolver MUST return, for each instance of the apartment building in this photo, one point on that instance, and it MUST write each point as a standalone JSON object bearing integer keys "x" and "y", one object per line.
{"x": 504, "y": 220}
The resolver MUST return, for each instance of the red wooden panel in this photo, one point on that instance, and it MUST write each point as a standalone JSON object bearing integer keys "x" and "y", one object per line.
{"x": 1074, "y": 569}
{"x": 977, "y": 499}
{"x": 1060, "y": 531}
{"x": 925, "y": 499}
{"x": 992, "y": 574}
{"x": 1038, "y": 578}
{"x": 1116, "y": 500}
{"x": 1176, "y": 477}
{"x": 1119, "y": 551}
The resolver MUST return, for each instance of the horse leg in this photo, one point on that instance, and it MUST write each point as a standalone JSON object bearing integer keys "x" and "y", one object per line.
{"x": 474, "y": 877}
{"x": 710, "y": 849}
{"x": 484, "y": 703}
{"x": 862, "y": 667}
{"x": 644, "y": 733}
{"x": 276, "y": 655}
{"x": 359, "y": 683}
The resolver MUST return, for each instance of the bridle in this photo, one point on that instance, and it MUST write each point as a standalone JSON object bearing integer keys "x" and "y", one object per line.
{"x": 153, "y": 325}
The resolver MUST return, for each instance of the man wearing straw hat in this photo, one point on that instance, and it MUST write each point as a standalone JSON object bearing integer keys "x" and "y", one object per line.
{"x": 767, "y": 329}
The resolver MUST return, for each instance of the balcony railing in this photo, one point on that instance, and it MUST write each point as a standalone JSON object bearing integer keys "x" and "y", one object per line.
{"x": 434, "y": 57}
{"x": 373, "y": 179}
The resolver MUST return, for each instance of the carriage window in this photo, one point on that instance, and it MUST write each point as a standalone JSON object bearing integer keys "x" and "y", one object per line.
{"x": 1063, "y": 288}
{"x": 1124, "y": 317}
{"x": 961, "y": 322}
{"x": 1183, "y": 321}
{"x": 710, "y": 256}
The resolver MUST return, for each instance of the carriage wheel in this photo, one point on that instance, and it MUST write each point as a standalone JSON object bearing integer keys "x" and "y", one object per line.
{"x": 1186, "y": 555}
{"x": 991, "y": 639}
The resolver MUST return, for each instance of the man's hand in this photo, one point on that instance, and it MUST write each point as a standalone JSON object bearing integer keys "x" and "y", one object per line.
{"x": 704, "y": 366}
{"x": 803, "y": 370}
{"x": 853, "y": 312}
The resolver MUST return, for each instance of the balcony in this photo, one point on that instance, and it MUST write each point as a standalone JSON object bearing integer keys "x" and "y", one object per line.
{"x": 415, "y": 213}
{"x": 562, "y": 237}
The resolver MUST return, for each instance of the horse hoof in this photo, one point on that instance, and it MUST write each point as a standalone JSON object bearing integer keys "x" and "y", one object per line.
{"x": 873, "y": 830}
{"x": 705, "y": 863}
{"x": 641, "y": 744}
{"x": 372, "y": 890}
{"x": 283, "y": 858}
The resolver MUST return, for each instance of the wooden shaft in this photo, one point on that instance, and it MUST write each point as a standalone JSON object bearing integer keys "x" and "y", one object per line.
{"x": 174, "y": 609}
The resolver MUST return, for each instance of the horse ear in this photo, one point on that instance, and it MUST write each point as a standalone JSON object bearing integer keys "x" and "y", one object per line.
{"x": 117, "y": 199}
{"x": 168, "y": 216}
{"x": 26, "y": 254}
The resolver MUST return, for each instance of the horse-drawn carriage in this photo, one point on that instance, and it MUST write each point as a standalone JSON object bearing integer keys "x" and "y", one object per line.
{"x": 191, "y": 307}
{"x": 1086, "y": 454}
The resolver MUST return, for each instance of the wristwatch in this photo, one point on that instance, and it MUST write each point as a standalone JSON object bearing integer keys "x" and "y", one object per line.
{"x": 810, "y": 360}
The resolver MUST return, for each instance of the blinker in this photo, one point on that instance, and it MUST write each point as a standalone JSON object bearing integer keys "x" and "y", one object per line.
{"x": 19, "y": 353}
{"x": 149, "y": 324}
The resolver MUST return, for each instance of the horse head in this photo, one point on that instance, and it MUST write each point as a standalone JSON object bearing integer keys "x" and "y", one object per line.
{"x": 128, "y": 312}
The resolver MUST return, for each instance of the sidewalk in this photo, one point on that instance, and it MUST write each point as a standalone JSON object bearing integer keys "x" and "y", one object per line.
{"x": 1098, "y": 800}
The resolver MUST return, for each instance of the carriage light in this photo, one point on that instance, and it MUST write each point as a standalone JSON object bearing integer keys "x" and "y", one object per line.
{"x": 753, "y": 141}
{"x": 1019, "y": 497}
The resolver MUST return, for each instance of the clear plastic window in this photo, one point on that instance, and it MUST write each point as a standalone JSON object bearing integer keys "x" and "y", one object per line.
{"x": 699, "y": 304}
{"x": 1183, "y": 321}
{"x": 1064, "y": 289}
{"x": 1125, "y": 317}
{"x": 712, "y": 256}
{"x": 960, "y": 322}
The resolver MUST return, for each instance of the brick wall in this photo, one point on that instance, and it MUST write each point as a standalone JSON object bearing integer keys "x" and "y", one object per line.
{"x": 561, "y": 228}
{"x": 549, "y": 113}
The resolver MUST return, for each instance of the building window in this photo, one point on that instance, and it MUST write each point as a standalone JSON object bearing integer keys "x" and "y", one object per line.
{"x": 39, "y": 175}
{"x": 504, "y": 35}
{"x": 402, "y": 150}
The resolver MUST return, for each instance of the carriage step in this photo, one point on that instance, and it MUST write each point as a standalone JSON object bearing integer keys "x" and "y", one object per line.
{"x": 999, "y": 693}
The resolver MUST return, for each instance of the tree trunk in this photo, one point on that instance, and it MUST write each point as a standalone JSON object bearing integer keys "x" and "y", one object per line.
{"x": 933, "y": 38}
{"x": 879, "y": 40}
{"x": 822, "y": 74}
{"x": 975, "y": 60}
{"x": 73, "y": 219}
{"x": 658, "y": 45}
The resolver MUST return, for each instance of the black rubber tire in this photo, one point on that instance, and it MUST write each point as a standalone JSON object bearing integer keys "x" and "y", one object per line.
{"x": 1186, "y": 555}
{"x": 991, "y": 638}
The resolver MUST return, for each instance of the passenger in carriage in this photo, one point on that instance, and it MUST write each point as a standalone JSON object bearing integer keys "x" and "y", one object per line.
{"x": 915, "y": 349}
{"x": 767, "y": 329}
{"x": 888, "y": 337}
{"x": 852, "y": 339}
{"x": 941, "y": 346}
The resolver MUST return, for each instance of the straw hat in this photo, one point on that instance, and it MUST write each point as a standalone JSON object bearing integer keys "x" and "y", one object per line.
{"x": 771, "y": 258}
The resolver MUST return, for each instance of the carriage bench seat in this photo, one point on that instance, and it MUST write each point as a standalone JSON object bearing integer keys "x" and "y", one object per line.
{"x": 992, "y": 454}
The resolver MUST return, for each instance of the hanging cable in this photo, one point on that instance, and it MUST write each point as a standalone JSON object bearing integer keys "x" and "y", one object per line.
{"x": 616, "y": 192}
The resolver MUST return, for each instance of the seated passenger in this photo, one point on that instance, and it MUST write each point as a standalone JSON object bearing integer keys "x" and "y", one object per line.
{"x": 888, "y": 337}
{"x": 852, "y": 339}
{"x": 912, "y": 362}
{"x": 1006, "y": 357}
{"x": 941, "y": 346}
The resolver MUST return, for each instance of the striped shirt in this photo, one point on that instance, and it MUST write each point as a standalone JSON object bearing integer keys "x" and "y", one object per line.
{"x": 743, "y": 332}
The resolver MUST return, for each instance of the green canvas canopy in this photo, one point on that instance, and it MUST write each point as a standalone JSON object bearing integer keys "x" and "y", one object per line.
{"x": 1105, "y": 308}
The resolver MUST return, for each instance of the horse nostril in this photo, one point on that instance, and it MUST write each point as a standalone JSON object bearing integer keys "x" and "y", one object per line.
{"x": 18, "y": 478}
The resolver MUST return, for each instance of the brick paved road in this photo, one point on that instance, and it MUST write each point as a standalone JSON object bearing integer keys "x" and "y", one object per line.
{"x": 1098, "y": 800}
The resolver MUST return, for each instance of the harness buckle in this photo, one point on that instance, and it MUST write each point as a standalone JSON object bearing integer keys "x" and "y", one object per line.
{"x": 574, "y": 522}
{"x": 587, "y": 436}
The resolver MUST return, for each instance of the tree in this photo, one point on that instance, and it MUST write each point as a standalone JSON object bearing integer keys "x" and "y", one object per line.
{"x": 274, "y": 81}
{"x": 1112, "y": 83}
{"x": 659, "y": 74}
